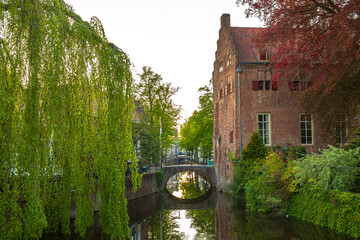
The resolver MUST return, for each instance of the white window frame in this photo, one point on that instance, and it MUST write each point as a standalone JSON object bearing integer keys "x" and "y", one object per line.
{"x": 306, "y": 129}
{"x": 268, "y": 124}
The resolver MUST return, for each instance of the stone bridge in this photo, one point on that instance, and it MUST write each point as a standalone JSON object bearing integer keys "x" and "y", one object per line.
{"x": 205, "y": 171}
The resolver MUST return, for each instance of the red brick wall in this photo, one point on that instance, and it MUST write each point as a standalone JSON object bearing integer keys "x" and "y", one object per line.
{"x": 225, "y": 107}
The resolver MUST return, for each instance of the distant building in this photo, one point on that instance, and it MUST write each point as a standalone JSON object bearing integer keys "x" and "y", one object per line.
{"x": 266, "y": 106}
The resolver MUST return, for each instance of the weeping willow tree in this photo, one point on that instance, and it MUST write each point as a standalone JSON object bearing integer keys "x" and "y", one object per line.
{"x": 65, "y": 121}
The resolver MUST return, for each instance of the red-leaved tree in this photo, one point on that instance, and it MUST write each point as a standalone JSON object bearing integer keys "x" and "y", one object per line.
{"x": 319, "y": 41}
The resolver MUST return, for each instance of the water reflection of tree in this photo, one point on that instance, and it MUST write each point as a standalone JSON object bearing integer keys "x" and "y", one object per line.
{"x": 203, "y": 221}
{"x": 168, "y": 225}
{"x": 190, "y": 186}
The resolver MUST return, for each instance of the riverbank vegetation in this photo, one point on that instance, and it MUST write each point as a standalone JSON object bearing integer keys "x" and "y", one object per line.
{"x": 66, "y": 108}
{"x": 322, "y": 188}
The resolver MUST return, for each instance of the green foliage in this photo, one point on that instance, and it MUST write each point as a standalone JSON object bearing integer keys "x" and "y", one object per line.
{"x": 197, "y": 130}
{"x": 66, "y": 106}
{"x": 248, "y": 168}
{"x": 156, "y": 102}
{"x": 255, "y": 149}
{"x": 269, "y": 191}
{"x": 298, "y": 152}
{"x": 159, "y": 178}
{"x": 246, "y": 226}
{"x": 318, "y": 167}
{"x": 354, "y": 143}
{"x": 290, "y": 152}
{"x": 330, "y": 208}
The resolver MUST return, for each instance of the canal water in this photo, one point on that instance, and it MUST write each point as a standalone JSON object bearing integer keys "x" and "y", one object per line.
{"x": 212, "y": 215}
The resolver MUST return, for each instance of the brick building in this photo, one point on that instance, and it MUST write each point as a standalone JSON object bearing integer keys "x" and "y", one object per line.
{"x": 267, "y": 106}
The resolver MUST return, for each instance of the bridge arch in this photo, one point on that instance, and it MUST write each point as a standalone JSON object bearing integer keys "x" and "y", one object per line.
{"x": 206, "y": 201}
{"x": 206, "y": 172}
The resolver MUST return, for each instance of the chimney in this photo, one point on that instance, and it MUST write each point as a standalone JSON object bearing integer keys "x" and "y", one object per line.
{"x": 225, "y": 20}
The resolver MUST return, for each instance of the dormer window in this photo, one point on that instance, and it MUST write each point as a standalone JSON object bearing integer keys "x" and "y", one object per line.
{"x": 263, "y": 56}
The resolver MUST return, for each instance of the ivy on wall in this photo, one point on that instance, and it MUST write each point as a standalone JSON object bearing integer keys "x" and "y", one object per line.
{"x": 66, "y": 110}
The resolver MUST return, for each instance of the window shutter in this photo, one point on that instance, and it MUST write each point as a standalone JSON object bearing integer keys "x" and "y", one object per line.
{"x": 226, "y": 91}
{"x": 255, "y": 85}
{"x": 219, "y": 94}
{"x": 274, "y": 85}
{"x": 291, "y": 85}
{"x": 231, "y": 87}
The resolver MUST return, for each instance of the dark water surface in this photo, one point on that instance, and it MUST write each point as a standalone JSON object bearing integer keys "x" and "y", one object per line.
{"x": 217, "y": 217}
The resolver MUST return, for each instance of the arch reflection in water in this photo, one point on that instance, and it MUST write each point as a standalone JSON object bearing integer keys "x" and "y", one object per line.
{"x": 188, "y": 185}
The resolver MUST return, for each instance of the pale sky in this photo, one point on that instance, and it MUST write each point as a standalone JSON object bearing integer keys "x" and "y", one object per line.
{"x": 177, "y": 39}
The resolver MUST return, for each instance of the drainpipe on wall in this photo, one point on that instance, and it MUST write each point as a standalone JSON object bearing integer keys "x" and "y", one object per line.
{"x": 238, "y": 70}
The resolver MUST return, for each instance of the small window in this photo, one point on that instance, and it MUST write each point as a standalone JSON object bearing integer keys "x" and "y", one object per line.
{"x": 228, "y": 89}
{"x": 306, "y": 129}
{"x": 263, "y": 122}
{"x": 263, "y": 56}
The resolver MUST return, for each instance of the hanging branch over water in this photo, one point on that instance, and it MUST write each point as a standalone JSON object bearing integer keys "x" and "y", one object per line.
{"x": 66, "y": 108}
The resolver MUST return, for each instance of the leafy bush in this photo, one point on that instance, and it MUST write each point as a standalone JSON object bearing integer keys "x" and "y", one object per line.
{"x": 291, "y": 152}
{"x": 255, "y": 149}
{"x": 247, "y": 169}
{"x": 318, "y": 167}
{"x": 330, "y": 208}
{"x": 270, "y": 190}
{"x": 356, "y": 141}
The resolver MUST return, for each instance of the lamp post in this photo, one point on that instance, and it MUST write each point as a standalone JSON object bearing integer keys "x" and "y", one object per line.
{"x": 238, "y": 70}
{"x": 160, "y": 146}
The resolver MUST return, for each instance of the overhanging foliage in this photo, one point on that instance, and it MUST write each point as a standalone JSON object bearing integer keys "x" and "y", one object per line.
{"x": 65, "y": 113}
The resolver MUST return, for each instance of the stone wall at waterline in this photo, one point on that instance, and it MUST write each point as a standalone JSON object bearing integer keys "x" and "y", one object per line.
{"x": 148, "y": 186}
